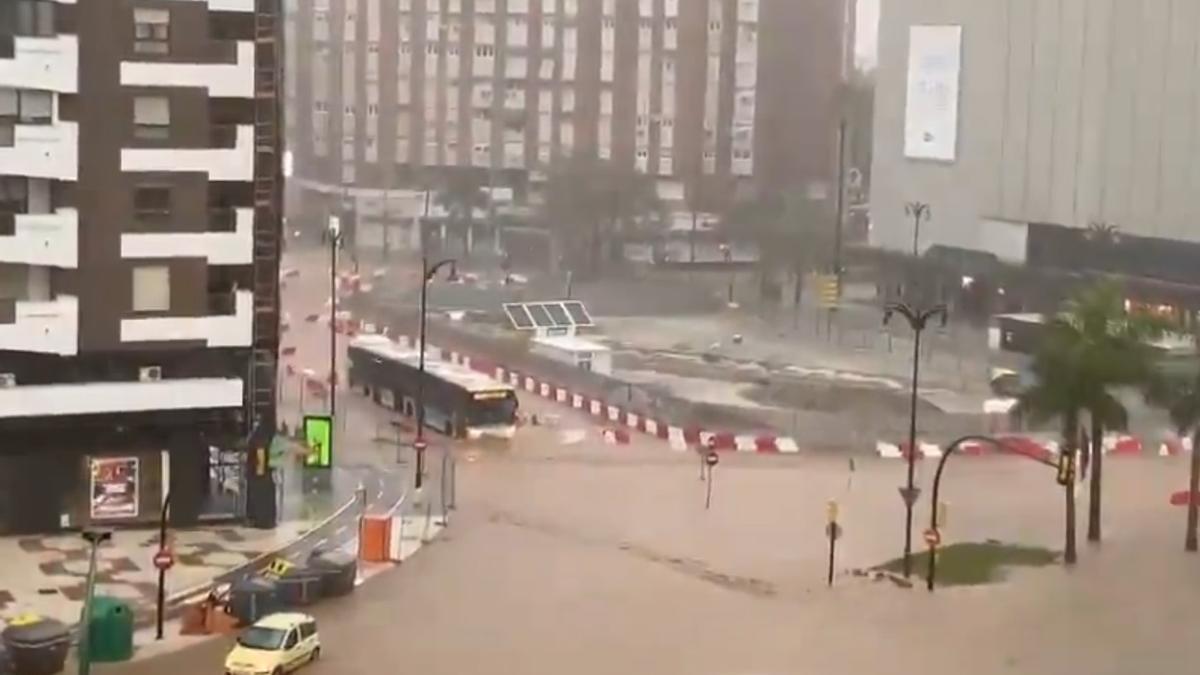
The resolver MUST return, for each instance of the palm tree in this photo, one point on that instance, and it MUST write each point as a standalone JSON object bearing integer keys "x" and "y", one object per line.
{"x": 1094, "y": 346}
{"x": 463, "y": 193}
{"x": 1180, "y": 396}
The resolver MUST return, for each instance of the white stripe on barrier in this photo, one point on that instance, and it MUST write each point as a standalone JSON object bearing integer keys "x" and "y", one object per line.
{"x": 614, "y": 413}
{"x": 676, "y": 439}
{"x": 595, "y": 407}
{"x": 888, "y": 450}
{"x": 706, "y": 438}
{"x": 560, "y": 395}
{"x": 746, "y": 443}
{"x": 466, "y": 361}
{"x": 930, "y": 450}
{"x": 786, "y": 444}
{"x": 544, "y": 389}
{"x": 631, "y": 421}
{"x": 577, "y": 401}
{"x": 529, "y": 384}
{"x": 652, "y": 427}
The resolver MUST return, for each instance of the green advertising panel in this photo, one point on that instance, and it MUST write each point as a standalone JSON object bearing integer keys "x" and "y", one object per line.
{"x": 318, "y": 437}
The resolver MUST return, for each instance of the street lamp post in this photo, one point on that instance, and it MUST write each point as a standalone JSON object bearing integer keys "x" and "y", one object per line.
{"x": 335, "y": 239}
{"x": 917, "y": 320}
{"x": 94, "y": 538}
{"x": 427, "y": 273}
{"x": 727, "y": 256}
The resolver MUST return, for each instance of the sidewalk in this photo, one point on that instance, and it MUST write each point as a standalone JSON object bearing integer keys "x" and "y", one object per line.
{"x": 47, "y": 575}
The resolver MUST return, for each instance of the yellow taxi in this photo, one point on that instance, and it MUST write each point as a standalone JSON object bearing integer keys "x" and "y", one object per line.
{"x": 275, "y": 644}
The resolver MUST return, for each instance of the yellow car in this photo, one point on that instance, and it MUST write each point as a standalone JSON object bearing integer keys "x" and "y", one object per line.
{"x": 275, "y": 644}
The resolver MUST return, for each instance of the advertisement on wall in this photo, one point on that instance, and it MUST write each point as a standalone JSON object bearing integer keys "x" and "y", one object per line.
{"x": 931, "y": 110}
{"x": 114, "y": 487}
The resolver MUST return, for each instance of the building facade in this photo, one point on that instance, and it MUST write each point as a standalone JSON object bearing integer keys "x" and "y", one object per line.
{"x": 1054, "y": 134}
{"x": 139, "y": 234}
{"x": 704, "y": 93}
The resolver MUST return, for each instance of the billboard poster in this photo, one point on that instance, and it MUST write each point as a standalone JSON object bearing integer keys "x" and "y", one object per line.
{"x": 931, "y": 108}
{"x": 318, "y": 437}
{"x": 114, "y": 487}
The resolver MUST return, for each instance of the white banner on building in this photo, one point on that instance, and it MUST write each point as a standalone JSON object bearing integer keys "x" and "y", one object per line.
{"x": 931, "y": 113}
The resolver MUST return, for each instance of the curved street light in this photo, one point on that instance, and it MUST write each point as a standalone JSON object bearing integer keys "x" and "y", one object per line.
{"x": 428, "y": 271}
{"x": 917, "y": 320}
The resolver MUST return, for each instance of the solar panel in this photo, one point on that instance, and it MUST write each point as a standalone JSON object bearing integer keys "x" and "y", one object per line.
{"x": 519, "y": 316}
{"x": 548, "y": 315}
{"x": 540, "y": 316}
{"x": 579, "y": 313}
{"x": 558, "y": 314}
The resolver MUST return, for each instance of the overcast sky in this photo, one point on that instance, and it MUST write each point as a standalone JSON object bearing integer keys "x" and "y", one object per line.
{"x": 867, "y": 32}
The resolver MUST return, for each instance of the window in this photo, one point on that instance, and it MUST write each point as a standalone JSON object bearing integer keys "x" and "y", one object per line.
{"x": 151, "y": 118}
{"x": 23, "y": 106}
{"x": 152, "y": 206}
{"x": 151, "y": 31}
{"x": 307, "y": 630}
{"x": 151, "y": 289}
{"x": 13, "y": 194}
{"x": 29, "y": 18}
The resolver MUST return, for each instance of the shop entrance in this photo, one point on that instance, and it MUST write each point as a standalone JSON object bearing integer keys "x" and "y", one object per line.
{"x": 224, "y": 491}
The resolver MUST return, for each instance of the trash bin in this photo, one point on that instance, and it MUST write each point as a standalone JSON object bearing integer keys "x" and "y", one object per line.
{"x": 110, "y": 631}
{"x": 338, "y": 571}
{"x": 252, "y": 598}
{"x": 299, "y": 586}
{"x": 36, "y": 645}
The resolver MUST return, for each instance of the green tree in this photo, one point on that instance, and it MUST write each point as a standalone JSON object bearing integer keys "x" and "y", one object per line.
{"x": 462, "y": 194}
{"x": 792, "y": 234}
{"x": 1093, "y": 347}
{"x": 1179, "y": 395}
{"x": 591, "y": 204}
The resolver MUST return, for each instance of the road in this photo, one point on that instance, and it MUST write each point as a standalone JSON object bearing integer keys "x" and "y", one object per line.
{"x": 569, "y": 555}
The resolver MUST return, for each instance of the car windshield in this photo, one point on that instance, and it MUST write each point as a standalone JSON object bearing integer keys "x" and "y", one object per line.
{"x": 258, "y": 637}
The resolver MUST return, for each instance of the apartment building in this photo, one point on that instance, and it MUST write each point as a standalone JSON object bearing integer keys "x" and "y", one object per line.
{"x": 707, "y": 94}
{"x": 139, "y": 238}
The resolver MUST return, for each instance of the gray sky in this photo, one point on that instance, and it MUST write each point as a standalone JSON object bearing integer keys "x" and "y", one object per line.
{"x": 867, "y": 32}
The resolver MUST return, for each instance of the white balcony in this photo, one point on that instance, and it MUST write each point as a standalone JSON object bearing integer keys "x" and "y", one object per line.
{"x": 43, "y": 63}
{"x": 50, "y": 327}
{"x": 226, "y": 80}
{"x": 232, "y": 330}
{"x": 42, "y": 151}
{"x": 117, "y": 397}
{"x": 229, "y": 5}
{"x": 234, "y": 164}
{"x": 46, "y": 239}
{"x": 220, "y": 248}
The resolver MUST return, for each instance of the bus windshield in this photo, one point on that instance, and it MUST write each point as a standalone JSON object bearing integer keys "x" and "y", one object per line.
{"x": 492, "y": 408}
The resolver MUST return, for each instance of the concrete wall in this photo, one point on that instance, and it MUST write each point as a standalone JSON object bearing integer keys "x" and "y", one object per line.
{"x": 1070, "y": 111}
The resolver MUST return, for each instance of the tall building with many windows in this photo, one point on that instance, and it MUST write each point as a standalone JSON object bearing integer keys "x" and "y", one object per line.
{"x": 139, "y": 237}
{"x": 707, "y": 93}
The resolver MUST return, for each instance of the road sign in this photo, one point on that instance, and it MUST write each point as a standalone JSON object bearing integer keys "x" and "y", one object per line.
{"x": 831, "y": 511}
{"x": 420, "y": 444}
{"x": 910, "y": 495}
{"x": 711, "y": 459}
{"x": 164, "y": 559}
{"x": 833, "y": 531}
{"x": 933, "y": 537}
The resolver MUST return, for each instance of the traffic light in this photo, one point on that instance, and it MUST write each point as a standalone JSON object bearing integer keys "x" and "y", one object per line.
{"x": 830, "y": 293}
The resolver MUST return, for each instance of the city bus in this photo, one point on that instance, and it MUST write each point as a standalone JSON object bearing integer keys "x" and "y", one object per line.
{"x": 459, "y": 402}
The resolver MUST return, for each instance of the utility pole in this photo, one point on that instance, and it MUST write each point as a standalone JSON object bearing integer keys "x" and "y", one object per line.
{"x": 839, "y": 223}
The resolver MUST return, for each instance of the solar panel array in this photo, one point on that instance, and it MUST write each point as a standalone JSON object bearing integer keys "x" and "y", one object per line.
{"x": 548, "y": 315}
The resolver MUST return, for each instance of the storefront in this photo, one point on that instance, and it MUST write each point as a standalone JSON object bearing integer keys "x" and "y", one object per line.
{"x": 53, "y": 481}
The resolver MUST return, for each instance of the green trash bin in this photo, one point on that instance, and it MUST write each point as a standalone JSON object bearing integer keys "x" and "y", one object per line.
{"x": 110, "y": 632}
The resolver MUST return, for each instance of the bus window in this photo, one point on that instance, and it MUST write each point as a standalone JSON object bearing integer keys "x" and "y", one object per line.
{"x": 492, "y": 410}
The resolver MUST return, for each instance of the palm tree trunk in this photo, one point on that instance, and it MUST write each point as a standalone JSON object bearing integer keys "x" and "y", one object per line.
{"x": 1070, "y": 442}
{"x": 1094, "y": 506}
{"x": 1193, "y": 516}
